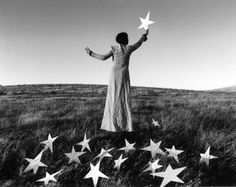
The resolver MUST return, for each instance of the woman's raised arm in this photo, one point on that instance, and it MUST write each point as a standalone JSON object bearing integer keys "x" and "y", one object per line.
{"x": 98, "y": 56}
{"x": 139, "y": 42}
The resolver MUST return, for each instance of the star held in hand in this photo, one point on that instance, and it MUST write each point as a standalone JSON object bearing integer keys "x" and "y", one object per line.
{"x": 174, "y": 153}
{"x": 155, "y": 123}
{"x": 94, "y": 173}
{"x": 128, "y": 146}
{"x": 104, "y": 153}
{"x": 48, "y": 143}
{"x": 119, "y": 161}
{"x": 48, "y": 178}
{"x": 35, "y": 163}
{"x": 206, "y": 157}
{"x": 74, "y": 156}
{"x": 84, "y": 143}
{"x": 145, "y": 22}
{"x": 169, "y": 175}
{"x": 153, "y": 166}
{"x": 154, "y": 148}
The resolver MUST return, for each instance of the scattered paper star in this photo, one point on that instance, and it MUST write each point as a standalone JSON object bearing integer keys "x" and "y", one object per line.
{"x": 153, "y": 166}
{"x": 206, "y": 156}
{"x": 94, "y": 173}
{"x": 154, "y": 148}
{"x": 48, "y": 143}
{"x": 104, "y": 153}
{"x": 119, "y": 161}
{"x": 174, "y": 153}
{"x": 48, "y": 178}
{"x": 74, "y": 156}
{"x": 84, "y": 143}
{"x": 155, "y": 123}
{"x": 145, "y": 22}
{"x": 169, "y": 175}
{"x": 35, "y": 163}
{"x": 128, "y": 146}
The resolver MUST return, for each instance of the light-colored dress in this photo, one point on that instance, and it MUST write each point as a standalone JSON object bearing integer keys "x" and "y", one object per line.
{"x": 117, "y": 113}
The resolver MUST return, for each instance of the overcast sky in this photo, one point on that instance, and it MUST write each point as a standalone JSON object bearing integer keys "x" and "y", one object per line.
{"x": 192, "y": 44}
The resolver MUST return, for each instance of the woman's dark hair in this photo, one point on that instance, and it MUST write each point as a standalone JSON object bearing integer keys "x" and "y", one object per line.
{"x": 122, "y": 38}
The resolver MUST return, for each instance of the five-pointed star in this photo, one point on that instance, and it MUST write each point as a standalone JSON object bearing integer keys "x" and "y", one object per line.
{"x": 153, "y": 166}
{"x": 104, "y": 153}
{"x": 128, "y": 146}
{"x": 84, "y": 143}
{"x": 119, "y": 161}
{"x": 48, "y": 178}
{"x": 48, "y": 142}
{"x": 35, "y": 163}
{"x": 169, "y": 175}
{"x": 155, "y": 123}
{"x": 154, "y": 148}
{"x": 95, "y": 173}
{"x": 206, "y": 156}
{"x": 174, "y": 153}
{"x": 145, "y": 22}
{"x": 74, "y": 156}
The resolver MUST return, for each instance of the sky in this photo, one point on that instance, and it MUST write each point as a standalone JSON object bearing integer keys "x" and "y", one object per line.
{"x": 191, "y": 45}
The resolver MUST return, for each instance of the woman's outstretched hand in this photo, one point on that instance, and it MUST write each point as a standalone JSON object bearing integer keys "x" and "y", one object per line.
{"x": 88, "y": 51}
{"x": 147, "y": 32}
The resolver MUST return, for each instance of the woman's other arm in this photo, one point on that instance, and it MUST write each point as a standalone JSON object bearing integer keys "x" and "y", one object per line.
{"x": 98, "y": 56}
{"x": 139, "y": 42}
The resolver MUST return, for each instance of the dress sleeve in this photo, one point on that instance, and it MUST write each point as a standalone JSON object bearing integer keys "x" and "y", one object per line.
{"x": 102, "y": 57}
{"x": 138, "y": 43}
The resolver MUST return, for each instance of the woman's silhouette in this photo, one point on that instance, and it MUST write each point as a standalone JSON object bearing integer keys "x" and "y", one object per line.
{"x": 117, "y": 112}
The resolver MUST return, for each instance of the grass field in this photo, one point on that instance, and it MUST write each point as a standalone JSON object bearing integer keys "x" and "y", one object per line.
{"x": 190, "y": 120}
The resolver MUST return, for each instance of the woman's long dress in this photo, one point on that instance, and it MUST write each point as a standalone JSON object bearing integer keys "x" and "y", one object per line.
{"x": 117, "y": 113}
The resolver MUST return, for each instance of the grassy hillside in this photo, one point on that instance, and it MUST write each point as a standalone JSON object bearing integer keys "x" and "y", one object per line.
{"x": 190, "y": 120}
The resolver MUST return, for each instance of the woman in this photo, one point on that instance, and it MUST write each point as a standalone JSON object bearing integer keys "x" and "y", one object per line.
{"x": 117, "y": 112}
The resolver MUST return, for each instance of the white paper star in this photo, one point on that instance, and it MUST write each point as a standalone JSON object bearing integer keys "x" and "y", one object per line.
{"x": 145, "y": 22}
{"x": 84, "y": 143}
{"x": 94, "y": 173}
{"x": 104, "y": 153}
{"x": 48, "y": 178}
{"x": 153, "y": 166}
{"x": 48, "y": 143}
{"x": 154, "y": 148}
{"x": 169, "y": 175}
{"x": 119, "y": 161}
{"x": 206, "y": 156}
{"x": 35, "y": 163}
{"x": 74, "y": 156}
{"x": 174, "y": 153}
{"x": 128, "y": 146}
{"x": 155, "y": 123}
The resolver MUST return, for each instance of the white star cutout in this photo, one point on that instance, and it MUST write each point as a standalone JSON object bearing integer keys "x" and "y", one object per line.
{"x": 127, "y": 147}
{"x": 169, "y": 175}
{"x": 119, "y": 161}
{"x": 94, "y": 173}
{"x": 155, "y": 123}
{"x": 104, "y": 153}
{"x": 48, "y": 178}
{"x": 48, "y": 143}
{"x": 153, "y": 166}
{"x": 84, "y": 143}
{"x": 35, "y": 163}
{"x": 174, "y": 153}
{"x": 145, "y": 22}
{"x": 206, "y": 156}
{"x": 154, "y": 148}
{"x": 74, "y": 156}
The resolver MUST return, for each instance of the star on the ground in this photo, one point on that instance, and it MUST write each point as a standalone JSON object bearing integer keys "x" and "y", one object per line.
{"x": 145, "y": 22}
{"x": 74, "y": 156}
{"x": 84, "y": 143}
{"x": 155, "y": 123}
{"x": 94, "y": 173}
{"x": 169, "y": 175}
{"x": 35, "y": 163}
{"x": 48, "y": 143}
{"x": 174, "y": 153}
{"x": 206, "y": 156}
{"x": 48, "y": 178}
{"x": 119, "y": 161}
{"x": 128, "y": 146}
{"x": 153, "y": 166}
{"x": 104, "y": 153}
{"x": 154, "y": 148}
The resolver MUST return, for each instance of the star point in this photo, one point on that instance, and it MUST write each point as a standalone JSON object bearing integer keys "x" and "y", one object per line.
{"x": 206, "y": 157}
{"x": 48, "y": 178}
{"x": 104, "y": 153}
{"x": 153, "y": 166}
{"x": 84, "y": 143}
{"x": 48, "y": 143}
{"x": 145, "y": 22}
{"x": 119, "y": 161}
{"x": 174, "y": 153}
{"x": 128, "y": 146}
{"x": 154, "y": 148}
{"x": 74, "y": 156}
{"x": 155, "y": 123}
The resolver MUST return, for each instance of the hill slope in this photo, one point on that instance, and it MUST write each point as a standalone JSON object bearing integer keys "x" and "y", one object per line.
{"x": 227, "y": 89}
